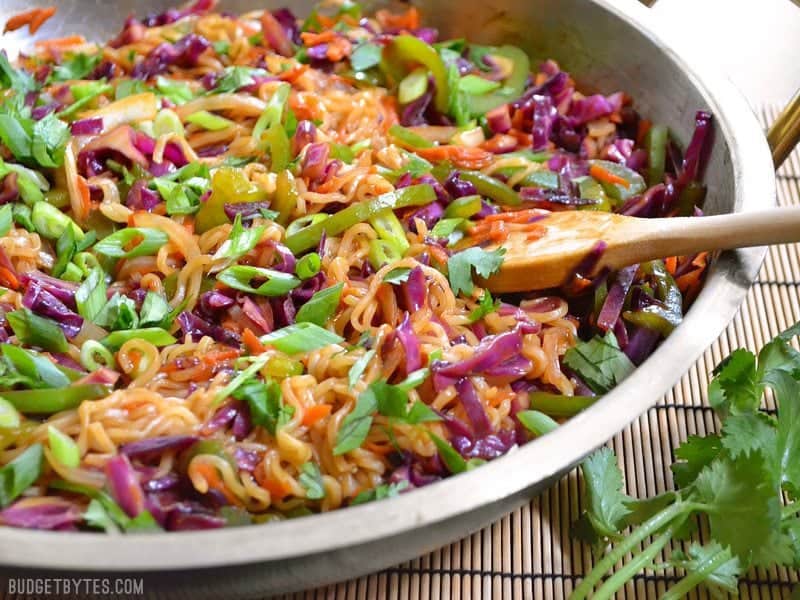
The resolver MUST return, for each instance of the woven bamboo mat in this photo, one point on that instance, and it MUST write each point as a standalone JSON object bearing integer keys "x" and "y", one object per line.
{"x": 529, "y": 554}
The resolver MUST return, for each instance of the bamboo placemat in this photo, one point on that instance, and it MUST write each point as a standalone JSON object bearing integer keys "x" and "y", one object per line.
{"x": 529, "y": 554}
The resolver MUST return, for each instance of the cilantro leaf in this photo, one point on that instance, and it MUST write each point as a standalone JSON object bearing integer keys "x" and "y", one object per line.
{"x": 311, "y": 479}
{"x": 77, "y": 66}
{"x": 240, "y": 241}
{"x": 17, "y": 79}
{"x": 380, "y": 492}
{"x": 397, "y": 276}
{"x": 321, "y": 307}
{"x": 50, "y": 137}
{"x": 787, "y": 445}
{"x": 486, "y": 305}
{"x": 736, "y": 389}
{"x": 454, "y": 462}
{"x": 356, "y": 425}
{"x": 744, "y": 434}
{"x": 235, "y": 78}
{"x": 696, "y": 453}
{"x": 460, "y": 266}
{"x": 266, "y": 404}
{"x": 741, "y": 491}
{"x": 697, "y": 558}
{"x": 599, "y": 362}
{"x": 606, "y": 501}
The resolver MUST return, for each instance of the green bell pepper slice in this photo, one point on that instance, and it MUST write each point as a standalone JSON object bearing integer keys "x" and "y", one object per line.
{"x": 409, "y": 49}
{"x": 48, "y": 401}
{"x": 513, "y": 86}
{"x": 307, "y": 238}
{"x": 656, "y": 143}
{"x": 492, "y": 188}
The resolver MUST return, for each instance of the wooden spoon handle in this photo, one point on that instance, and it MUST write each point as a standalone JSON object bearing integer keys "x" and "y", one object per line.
{"x": 657, "y": 238}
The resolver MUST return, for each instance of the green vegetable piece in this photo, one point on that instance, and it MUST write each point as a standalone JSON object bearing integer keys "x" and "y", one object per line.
{"x": 556, "y": 405}
{"x": 301, "y": 337}
{"x": 132, "y": 242}
{"x": 486, "y": 305}
{"x": 321, "y": 307}
{"x": 408, "y": 138}
{"x": 209, "y": 121}
{"x": 9, "y": 416}
{"x": 311, "y": 479}
{"x": 413, "y": 86}
{"x": 308, "y": 266}
{"x": 91, "y": 294}
{"x": 229, "y": 185}
{"x": 461, "y": 264}
{"x": 154, "y": 335}
{"x": 356, "y": 425}
{"x": 464, "y": 207}
{"x": 64, "y": 448}
{"x": 617, "y": 191}
{"x": 491, "y": 188}
{"x": 33, "y": 330}
{"x": 48, "y": 401}
{"x": 415, "y": 195}
{"x": 454, "y": 462}
{"x": 475, "y": 85}
{"x": 358, "y": 368}
{"x": 409, "y": 49}
{"x": 20, "y": 474}
{"x": 513, "y": 86}
{"x": 599, "y": 362}
{"x": 276, "y": 283}
{"x": 365, "y": 56}
{"x": 656, "y": 143}
{"x": 51, "y": 222}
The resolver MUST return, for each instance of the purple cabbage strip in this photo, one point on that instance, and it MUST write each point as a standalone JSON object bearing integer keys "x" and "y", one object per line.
{"x": 641, "y": 345}
{"x": 248, "y": 210}
{"x": 694, "y": 161}
{"x": 413, "y": 113}
{"x": 544, "y": 116}
{"x": 472, "y": 406}
{"x": 408, "y": 339}
{"x": 315, "y": 161}
{"x": 429, "y": 215}
{"x": 197, "y": 327}
{"x": 183, "y": 53}
{"x": 612, "y": 307}
{"x": 489, "y": 447}
{"x": 288, "y": 21}
{"x": 123, "y": 482}
{"x": 306, "y": 133}
{"x": 414, "y": 290}
{"x": 457, "y": 187}
{"x": 490, "y": 352}
{"x": 246, "y": 460}
{"x": 45, "y": 304}
{"x": 287, "y": 259}
{"x": 172, "y": 14}
{"x": 214, "y": 300}
{"x": 649, "y": 204}
{"x": 87, "y": 126}
{"x": 150, "y": 448}
{"x": 223, "y": 417}
{"x": 47, "y": 513}
{"x": 63, "y": 290}
{"x": 141, "y": 197}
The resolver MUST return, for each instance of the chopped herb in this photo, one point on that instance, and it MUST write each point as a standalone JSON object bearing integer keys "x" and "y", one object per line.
{"x": 321, "y": 307}
{"x": 460, "y": 266}
{"x": 311, "y": 479}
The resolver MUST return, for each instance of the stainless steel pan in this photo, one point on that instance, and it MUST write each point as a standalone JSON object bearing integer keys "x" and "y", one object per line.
{"x": 607, "y": 45}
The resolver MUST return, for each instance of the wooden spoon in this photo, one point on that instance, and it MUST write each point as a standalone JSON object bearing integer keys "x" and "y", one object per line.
{"x": 570, "y": 236}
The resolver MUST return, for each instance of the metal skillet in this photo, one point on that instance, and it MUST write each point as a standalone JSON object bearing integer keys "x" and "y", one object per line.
{"x": 607, "y": 45}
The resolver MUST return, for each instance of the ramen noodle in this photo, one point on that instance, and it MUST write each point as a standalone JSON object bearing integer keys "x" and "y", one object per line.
{"x": 241, "y": 256}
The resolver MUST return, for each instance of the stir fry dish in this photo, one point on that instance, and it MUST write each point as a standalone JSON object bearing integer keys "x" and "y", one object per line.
{"x": 241, "y": 262}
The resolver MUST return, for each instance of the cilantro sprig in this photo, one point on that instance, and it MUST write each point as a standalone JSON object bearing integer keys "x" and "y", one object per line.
{"x": 734, "y": 482}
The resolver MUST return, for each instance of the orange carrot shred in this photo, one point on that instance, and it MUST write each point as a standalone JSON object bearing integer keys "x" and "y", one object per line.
{"x": 671, "y": 264}
{"x": 602, "y": 174}
{"x": 33, "y": 18}
{"x": 314, "y": 414}
{"x": 251, "y": 342}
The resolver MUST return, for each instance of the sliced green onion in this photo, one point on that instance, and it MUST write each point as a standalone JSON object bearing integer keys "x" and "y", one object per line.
{"x": 64, "y": 448}
{"x": 247, "y": 374}
{"x": 86, "y": 261}
{"x": 118, "y": 245}
{"x": 415, "y": 195}
{"x": 91, "y": 294}
{"x": 303, "y": 222}
{"x": 536, "y": 422}
{"x": 321, "y": 307}
{"x": 33, "y": 330}
{"x": 91, "y": 350}
{"x": 9, "y": 416}
{"x": 154, "y": 335}
{"x": 413, "y": 86}
{"x": 6, "y": 219}
{"x": 308, "y": 266}
{"x": 155, "y": 309}
{"x": 408, "y": 138}
{"x": 168, "y": 121}
{"x": 239, "y": 277}
{"x": 301, "y": 337}
{"x": 279, "y": 146}
{"x": 50, "y": 401}
{"x": 240, "y": 241}
{"x": 273, "y": 112}
{"x": 209, "y": 121}
{"x": 454, "y": 462}
{"x": 178, "y": 92}
{"x": 51, "y": 222}
{"x": 20, "y": 473}
{"x": 464, "y": 207}
{"x": 65, "y": 250}
{"x": 33, "y": 366}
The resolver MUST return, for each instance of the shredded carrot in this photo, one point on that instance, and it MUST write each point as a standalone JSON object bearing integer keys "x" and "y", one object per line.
{"x": 33, "y": 18}
{"x": 313, "y": 39}
{"x": 338, "y": 48}
{"x": 671, "y": 264}
{"x": 276, "y": 489}
{"x": 378, "y": 448}
{"x": 214, "y": 481}
{"x": 212, "y": 358}
{"x": 251, "y": 342}
{"x": 60, "y": 43}
{"x": 8, "y": 275}
{"x": 408, "y": 20}
{"x": 518, "y": 216}
{"x": 460, "y": 156}
{"x": 602, "y": 174}
{"x": 86, "y": 197}
{"x": 314, "y": 414}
